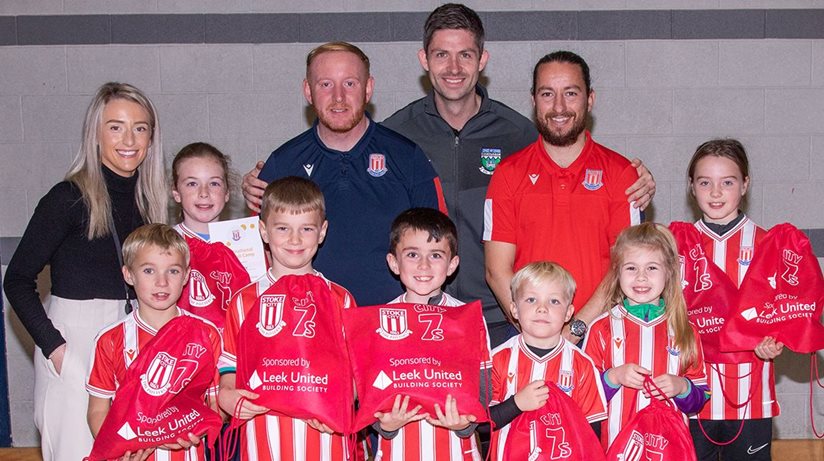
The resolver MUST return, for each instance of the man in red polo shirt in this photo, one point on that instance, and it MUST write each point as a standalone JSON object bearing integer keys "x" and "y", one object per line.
{"x": 561, "y": 198}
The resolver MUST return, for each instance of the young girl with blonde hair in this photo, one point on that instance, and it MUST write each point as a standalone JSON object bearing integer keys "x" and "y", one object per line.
{"x": 646, "y": 332}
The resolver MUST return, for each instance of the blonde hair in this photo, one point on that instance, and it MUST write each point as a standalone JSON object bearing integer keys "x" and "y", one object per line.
{"x": 151, "y": 194}
{"x": 159, "y": 235}
{"x": 656, "y": 237}
{"x": 543, "y": 271}
{"x": 292, "y": 195}
{"x": 333, "y": 47}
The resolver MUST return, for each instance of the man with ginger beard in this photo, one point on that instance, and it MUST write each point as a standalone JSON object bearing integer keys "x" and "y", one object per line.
{"x": 368, "y": 174}
{"x": 562, "y": 197}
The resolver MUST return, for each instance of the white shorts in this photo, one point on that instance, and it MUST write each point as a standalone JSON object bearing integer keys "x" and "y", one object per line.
{"x": 61, "y": 401}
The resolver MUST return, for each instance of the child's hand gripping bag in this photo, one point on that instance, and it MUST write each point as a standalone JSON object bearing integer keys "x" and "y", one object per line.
{"x": 423, "y": 351}
{"x": 557, "y": 431}
{"x": 657, "y": 432}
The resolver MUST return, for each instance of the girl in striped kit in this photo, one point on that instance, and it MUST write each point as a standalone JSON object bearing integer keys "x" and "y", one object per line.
{"x": 646, "y": 332}
{"x": 200, "y": 184}
{"x": 743, "y": 394}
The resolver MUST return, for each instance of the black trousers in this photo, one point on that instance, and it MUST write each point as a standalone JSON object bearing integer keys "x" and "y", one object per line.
{"x": 753, "y": 444}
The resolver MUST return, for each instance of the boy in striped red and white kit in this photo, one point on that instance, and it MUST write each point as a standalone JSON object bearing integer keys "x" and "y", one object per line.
{"x": 526, "y": 364}
{"x": 742, "y": 393}
{"x": 293, "y": 224}
{"x": 423, "y": 252}
{"x": 156, "y": 263}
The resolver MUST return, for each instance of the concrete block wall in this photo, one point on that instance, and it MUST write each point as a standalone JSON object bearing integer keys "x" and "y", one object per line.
{"x": 668, "y": 75}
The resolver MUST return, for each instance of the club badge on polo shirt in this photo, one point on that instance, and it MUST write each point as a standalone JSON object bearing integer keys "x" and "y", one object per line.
{"x": 377, "y": 165}
{"x": 593, "y": 179}
{"x": 490, "y": 158}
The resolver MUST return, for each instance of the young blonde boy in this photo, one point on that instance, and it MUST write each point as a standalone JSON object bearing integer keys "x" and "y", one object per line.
{"x": 156, "y": 264}
{"x": 526, "y": 364}
{"x": 423, "y": 252}
{"x": 293, "y": 225}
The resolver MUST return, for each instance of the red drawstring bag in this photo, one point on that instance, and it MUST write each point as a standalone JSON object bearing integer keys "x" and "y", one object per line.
{"x": 162, "y": 397}
{"x": 781, "y": 296}
{"x": 657, "y": 432}
{"x": 710, "y": 294}
{"x": 216, "y": 274}
{"x": 291, "y": 352}
{"x": 422, "y": 351}
{"x": 556, "y": 431}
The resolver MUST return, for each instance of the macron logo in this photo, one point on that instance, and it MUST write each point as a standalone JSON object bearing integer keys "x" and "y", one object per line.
{"x": 382, "y": 381}
{"x": 126, "y": 432}
{"x": 308, "y": 167}
{"x": 533, "y": 178}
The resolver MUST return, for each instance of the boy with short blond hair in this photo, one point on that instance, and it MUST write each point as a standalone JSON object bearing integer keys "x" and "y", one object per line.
{"x": 156, "y": 264}
{"x": 523, "y": 366}
{"x": 423, "y": 252}
{"x": 292, "y": 224}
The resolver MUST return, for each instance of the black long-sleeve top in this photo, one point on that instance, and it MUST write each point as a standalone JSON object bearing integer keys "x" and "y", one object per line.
{"x": 81, "y": 269}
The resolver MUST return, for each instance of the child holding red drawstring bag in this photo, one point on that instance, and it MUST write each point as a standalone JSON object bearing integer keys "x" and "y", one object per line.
{"x": 151, "y": 370}
{"x": 736, "y": 422}
{"x": 200, "y": 184}
{"x": 546, "y": 391}
{"x": 657, "y": 432}
{"x": 422, "y": 331}
{"x": 646, "y": 334}
{"x": 296, "y": 311}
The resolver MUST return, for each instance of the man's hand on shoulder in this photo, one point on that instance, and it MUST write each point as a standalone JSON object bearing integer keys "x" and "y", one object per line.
{"x": 642, "y": 190}
{"x": 253, "y": 187}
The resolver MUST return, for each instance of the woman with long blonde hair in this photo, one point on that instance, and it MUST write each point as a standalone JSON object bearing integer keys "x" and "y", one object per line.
{"x": 115, "y": 184}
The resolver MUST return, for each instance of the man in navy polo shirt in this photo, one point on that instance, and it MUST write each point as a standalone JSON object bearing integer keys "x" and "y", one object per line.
{"x": 368, "y": 173}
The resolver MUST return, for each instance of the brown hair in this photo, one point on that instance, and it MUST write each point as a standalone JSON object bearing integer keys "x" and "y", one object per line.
{"x": 657, "y": 238}
{"x": 565, "y": 57}
{"x": 727, "y": 148}
{"x": 453, "y": 16}
{"x": 430, "y": 220}
{"x": 202, "y": 150}
{"x": 292, "y": 195}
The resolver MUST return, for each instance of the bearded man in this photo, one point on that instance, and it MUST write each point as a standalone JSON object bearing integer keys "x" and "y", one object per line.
{"x": 368, "y": 174}
{"x": 561, "y": 198}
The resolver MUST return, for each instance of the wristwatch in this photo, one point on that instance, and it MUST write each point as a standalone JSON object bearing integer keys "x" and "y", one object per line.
{"x": 578, "y": 327}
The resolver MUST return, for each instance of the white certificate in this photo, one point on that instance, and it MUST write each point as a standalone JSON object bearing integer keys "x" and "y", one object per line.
{"x": 242, "y": 236}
